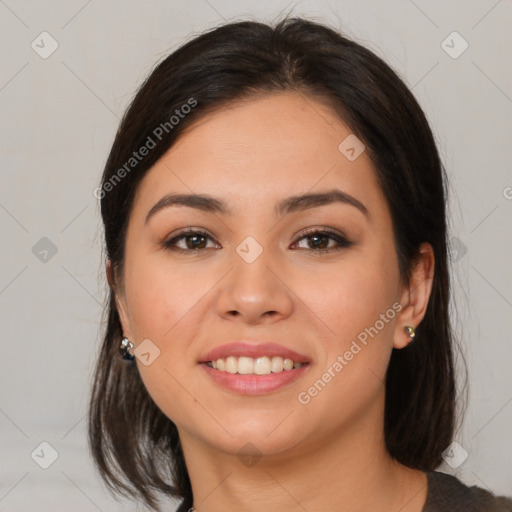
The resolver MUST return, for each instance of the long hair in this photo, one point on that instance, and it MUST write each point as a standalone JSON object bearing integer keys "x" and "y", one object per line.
{"x": 134, "y": 445}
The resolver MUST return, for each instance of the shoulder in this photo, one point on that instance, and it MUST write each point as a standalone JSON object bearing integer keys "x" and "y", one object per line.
{"x": 447, "y": 493}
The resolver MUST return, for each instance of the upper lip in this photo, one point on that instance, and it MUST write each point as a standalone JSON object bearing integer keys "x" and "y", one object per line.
{"x": 254, "y": 350}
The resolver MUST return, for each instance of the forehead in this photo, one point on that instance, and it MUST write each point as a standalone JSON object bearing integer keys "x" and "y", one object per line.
{"x": 262, "y": 149}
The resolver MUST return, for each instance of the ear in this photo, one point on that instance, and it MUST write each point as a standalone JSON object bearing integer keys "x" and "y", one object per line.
{"x": 415, "y": 295}
{"x": 120, "y": 300}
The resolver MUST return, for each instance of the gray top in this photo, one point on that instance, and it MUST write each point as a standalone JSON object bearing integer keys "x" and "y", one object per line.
{"x": 447, "y": 493}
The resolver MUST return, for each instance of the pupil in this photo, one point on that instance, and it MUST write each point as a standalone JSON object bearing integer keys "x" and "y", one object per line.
{"x": 194, "y": 239}
{"x": 319, "y": 238}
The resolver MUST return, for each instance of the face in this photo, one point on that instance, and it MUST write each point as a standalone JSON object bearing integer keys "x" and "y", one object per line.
{"x": 259, "y": 275}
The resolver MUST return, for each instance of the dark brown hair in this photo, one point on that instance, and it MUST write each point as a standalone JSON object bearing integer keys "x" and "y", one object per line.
{"x": 134, "y": 445}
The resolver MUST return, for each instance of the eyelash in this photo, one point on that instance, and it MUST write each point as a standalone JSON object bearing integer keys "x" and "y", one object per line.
{"x": 342, "y": 241}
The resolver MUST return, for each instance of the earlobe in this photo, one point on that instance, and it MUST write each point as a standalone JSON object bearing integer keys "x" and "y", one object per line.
{"x": 415, "y": 297}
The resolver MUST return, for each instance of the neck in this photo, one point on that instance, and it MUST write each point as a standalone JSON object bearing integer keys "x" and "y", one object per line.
{"x": 349, "y": 472}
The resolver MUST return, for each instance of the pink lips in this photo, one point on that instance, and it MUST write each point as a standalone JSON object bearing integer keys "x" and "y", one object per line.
{"x": 244, "y": 349}
{"x": 254, "y": 384}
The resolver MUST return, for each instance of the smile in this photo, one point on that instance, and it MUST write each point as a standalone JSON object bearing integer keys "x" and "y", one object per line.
{"x": 254, "y": 366}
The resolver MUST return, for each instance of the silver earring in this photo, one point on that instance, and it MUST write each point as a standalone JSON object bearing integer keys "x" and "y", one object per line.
{"x": 124, "y": 349}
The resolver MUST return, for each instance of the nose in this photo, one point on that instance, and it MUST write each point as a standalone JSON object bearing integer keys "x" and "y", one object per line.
{"x": 254, "y": 292}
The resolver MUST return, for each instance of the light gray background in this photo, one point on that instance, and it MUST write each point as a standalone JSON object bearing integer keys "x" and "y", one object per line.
{"x": 59, "y": 116}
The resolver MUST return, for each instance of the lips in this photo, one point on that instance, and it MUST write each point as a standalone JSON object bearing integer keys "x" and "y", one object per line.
{"x": 254, "y": 384}
{"x": 253, "y": 350}
{"x": 243, "y": 367}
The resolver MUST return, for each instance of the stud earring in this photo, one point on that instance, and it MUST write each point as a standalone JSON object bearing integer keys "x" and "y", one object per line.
{"x": 124, "y": 349}
{"x": 409, "y": 329}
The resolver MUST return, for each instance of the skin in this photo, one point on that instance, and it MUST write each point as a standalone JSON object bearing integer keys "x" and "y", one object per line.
{"x": 252, "y": 155}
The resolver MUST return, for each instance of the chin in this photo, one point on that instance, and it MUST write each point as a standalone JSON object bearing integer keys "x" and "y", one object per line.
{"x": 264, "y": 433}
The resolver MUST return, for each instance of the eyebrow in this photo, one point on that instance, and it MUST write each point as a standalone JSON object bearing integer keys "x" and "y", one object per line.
{"x": 210, "y": 204}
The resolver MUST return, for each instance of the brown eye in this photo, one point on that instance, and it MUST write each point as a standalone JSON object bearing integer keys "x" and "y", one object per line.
{"x": 320, "y": 241}
{"x": 190, "y": 240}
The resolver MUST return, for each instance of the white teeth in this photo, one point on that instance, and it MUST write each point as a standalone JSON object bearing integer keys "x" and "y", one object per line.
{"x": 288, "y": 364}
{"x": 245, "y": 365}
{"x": 262, "y": 366}
{"x": 277, "y": 364}
{"x": 248, "y": 366}
{"x": 231, "y": 364}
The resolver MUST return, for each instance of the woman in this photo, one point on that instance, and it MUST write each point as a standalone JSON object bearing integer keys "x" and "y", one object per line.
{"x": 274, "y": 213}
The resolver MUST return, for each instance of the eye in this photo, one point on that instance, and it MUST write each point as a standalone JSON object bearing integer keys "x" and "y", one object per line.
{"x": 319, "y": 241}
{"x": 190, "y": 240}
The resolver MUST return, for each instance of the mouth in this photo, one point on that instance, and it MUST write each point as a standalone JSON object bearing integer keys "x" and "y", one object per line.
{"x": 264, "y": 365}
{"x": 254, "y": 369}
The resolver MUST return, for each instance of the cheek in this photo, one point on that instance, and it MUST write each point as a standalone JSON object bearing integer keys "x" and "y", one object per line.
{"x": 166, "y": 307}
{"x": 162, "y": 296}
{"x": 169, "y": 305}
{"x": 357, "y": 303}
{"x": 350, "y": 298}
{"x": 360, "y": 308}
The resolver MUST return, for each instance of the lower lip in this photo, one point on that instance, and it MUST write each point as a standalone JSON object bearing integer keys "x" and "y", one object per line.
{"x": 254, "y": 384}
